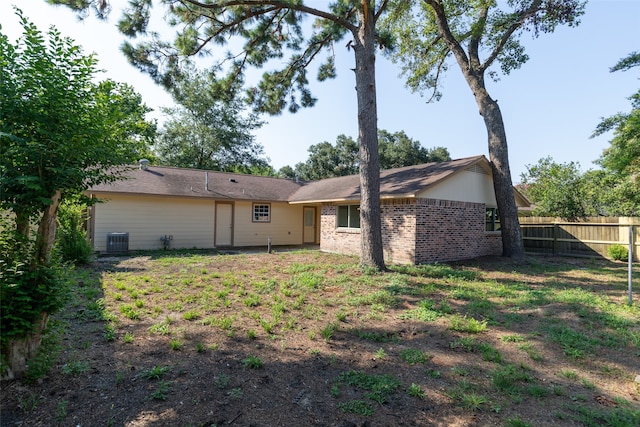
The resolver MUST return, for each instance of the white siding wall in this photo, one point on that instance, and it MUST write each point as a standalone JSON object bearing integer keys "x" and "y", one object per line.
{"x": 285, "y": 228}
{"x": 146, "y": 218}
{"x": 465, "y": 186}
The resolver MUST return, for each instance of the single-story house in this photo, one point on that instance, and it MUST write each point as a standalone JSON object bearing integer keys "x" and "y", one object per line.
{"x": 430, "y": 212}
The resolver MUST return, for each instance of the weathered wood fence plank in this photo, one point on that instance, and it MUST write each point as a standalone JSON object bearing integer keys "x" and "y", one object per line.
{"x": 590, "y": 237}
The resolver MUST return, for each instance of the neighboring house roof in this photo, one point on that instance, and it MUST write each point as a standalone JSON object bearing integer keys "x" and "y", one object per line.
{"x": 170, "y": 181}
{"x": 404, "y": 182}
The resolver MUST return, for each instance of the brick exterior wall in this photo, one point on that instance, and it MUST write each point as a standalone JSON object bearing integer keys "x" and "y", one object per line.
{"x": 418, "y": 231}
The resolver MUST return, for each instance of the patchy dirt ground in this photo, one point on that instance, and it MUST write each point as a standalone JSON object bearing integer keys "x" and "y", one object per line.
{"x": 266, "y": 349}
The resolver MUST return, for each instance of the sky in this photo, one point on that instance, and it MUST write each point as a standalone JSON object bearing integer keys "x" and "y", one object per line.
{"x": 551, "y": 105}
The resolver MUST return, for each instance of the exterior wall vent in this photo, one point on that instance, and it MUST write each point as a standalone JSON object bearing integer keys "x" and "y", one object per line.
{"x": 117, "y": 242}
{"x": 477, "y": 169}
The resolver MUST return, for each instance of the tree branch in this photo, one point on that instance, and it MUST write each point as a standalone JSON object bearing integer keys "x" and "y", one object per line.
{"x": 281, "y": 5}
{"x": 448, "y": 37}
{"x": 476, "y": 36}
{"x": 521, "y": 17}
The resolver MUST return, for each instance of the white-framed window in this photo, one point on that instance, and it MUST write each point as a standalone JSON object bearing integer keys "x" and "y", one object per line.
{"x": 261, "y": 212}
{"x": 492, "y": 220}
{"x": 349, "y": 216}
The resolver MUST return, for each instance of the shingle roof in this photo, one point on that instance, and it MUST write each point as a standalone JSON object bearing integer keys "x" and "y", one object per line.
{"x": 169, "y": 181}
{"x": 394, "y": 183}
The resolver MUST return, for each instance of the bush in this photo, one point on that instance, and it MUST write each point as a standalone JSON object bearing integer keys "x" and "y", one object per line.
{"x": 618, "y": 252}
{"x": 26, "y": 291}
{"x": 71, "y": 238}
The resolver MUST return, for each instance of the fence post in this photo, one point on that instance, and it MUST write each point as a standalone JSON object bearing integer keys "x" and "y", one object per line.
{"x": 630, "y": 261}
{"x": 554, "y": 234}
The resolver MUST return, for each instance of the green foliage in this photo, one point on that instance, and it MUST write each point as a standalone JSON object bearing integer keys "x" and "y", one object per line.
{"x": 618, "y": 252}
{"x": 26, "y": 291}
{"x": 359, "y": 407}
{"x": 75, "y": 367}
{"x": 328, "y": 331}
{"x": 207, "y": 131}
{"x": 378, "y": 388}
{"x": 47, "y": 354}
{"x": 155, "y": 373}
{"x": 623, "y": 156}
{"x": 555, "y": 189}
{"x": 414, "y": 356}
{"x": 508, "y": 378}
{"x": 398, "y": 150}
{"x": 59, "y": 129}
{"x": 71, "y": 239}
{"x": 467, "y": 324}
{"x": 415, "y": 391}
{"x": 611, "y": 193}
{"x": 621, "y": 160}
{"x": 613, "y": 417}
{"x": 395, "y": 150}
{"x": 252, "y": 362}
{"x": 479, "y": 36}
{"x": 562, "y": 190}
{"x": 161, "y": 391}
{"x": 575, "y": 344}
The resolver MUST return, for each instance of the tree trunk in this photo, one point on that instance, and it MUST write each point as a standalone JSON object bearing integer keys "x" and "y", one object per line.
{"x": 473, "y": 73}
{"x": 47, "y": 231}
{"x": 512, "y": 245}
{"x": 22, "y": 350}
{"x": 372, "y": 254}
{"x": 22, "y": 223}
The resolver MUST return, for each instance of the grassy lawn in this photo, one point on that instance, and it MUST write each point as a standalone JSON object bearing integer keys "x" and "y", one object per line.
{"x": 307, "y": 338}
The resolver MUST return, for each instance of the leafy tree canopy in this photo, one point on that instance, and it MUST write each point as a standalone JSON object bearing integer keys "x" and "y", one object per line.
{"x": 563, "y": 190}
{"x": 396, "y": 150}
{"x": 608, "y": 194}
{"x": 206, "y": 132}
{"x": 60, "y": 131}
{"x": 555, "y": 189}
{"x": 623, "y": 156}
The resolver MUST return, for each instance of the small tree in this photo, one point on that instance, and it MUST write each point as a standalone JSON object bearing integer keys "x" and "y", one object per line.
{"x": 59, "y": 133}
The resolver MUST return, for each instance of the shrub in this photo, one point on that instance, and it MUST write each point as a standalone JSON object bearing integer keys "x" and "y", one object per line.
{"x": 71, "y": 239}
{"x": 26, "y": 291}
{"x": 618, "y": 252}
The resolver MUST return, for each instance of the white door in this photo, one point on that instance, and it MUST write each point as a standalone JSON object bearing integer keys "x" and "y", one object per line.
{"x": 309, "y": 225}
{"x": 224, "y": 224}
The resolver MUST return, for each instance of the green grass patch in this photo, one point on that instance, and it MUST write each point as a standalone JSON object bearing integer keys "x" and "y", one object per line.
{"x": 378, "y": 388}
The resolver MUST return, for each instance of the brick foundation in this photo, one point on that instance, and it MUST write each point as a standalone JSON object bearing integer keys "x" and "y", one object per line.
{"x": 418, "y": 231}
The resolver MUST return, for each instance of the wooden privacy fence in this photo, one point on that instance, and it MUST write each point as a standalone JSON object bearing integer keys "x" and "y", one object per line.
{"x": 590, "y": 237}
